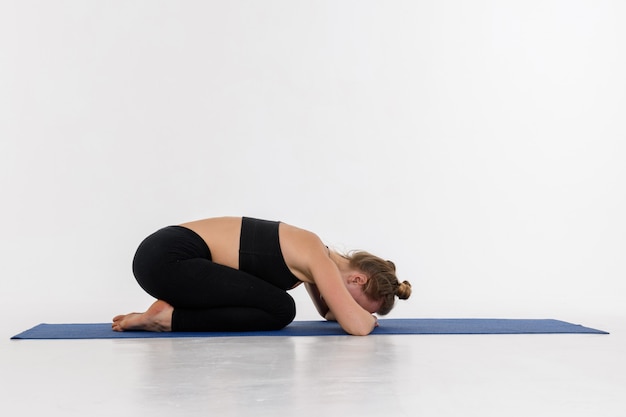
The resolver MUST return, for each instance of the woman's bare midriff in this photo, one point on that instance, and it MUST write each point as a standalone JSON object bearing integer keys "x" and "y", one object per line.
{"x": 221, "y": 234}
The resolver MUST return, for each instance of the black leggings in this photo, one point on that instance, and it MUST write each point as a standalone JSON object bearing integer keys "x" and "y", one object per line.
{"x": 174, "y": 265}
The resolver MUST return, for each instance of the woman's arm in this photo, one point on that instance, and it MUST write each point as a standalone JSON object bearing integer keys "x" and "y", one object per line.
{"x": 316, "y": 297}
{"x": 334, "y": 301}
{"x": 318, "y": 302}
{"x": 305, "y": 252}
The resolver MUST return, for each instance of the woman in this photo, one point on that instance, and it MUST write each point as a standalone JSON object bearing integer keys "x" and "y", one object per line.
{"x": 233, "y": 273}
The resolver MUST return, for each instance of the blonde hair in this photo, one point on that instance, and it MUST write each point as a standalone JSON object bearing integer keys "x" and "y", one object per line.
{"x": 382, "y": 283}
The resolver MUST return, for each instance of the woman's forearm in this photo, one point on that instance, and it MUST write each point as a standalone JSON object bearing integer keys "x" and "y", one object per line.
{"x": 318, "y": 300}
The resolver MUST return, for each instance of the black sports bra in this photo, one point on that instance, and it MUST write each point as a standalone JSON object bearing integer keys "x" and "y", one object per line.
{"x": 260, "y": 253}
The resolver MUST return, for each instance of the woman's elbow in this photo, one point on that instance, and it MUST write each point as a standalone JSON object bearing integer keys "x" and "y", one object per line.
{"x": 363, "y": 329}
{"x": 361, "y": 332}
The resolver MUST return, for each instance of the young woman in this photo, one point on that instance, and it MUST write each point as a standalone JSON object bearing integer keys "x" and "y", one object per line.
{"x": 233, "y": 274}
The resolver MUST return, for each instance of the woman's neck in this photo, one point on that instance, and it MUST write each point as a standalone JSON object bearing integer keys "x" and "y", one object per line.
{"x": 342, "y": 263}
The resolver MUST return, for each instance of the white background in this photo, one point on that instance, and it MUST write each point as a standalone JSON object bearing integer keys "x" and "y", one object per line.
{"x": 479, "y": 145}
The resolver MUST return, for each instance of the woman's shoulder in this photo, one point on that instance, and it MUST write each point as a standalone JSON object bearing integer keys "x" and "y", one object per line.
{"x": 301, "y": 249}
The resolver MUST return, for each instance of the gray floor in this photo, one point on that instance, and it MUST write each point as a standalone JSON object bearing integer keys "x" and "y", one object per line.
{"x": 478, "y": 375}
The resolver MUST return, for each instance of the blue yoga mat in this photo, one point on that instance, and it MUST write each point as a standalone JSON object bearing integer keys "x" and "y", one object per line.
{"x": 324, "y": 328}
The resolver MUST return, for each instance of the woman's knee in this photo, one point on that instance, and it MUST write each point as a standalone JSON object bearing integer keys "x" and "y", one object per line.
{"x": 285, "y": 311}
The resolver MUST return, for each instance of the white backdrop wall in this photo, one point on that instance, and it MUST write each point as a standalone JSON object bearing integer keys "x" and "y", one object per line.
{"x": 480, "y": 145}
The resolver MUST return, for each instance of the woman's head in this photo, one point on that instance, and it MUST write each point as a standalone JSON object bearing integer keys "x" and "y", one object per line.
{"x": 382, "y": 283}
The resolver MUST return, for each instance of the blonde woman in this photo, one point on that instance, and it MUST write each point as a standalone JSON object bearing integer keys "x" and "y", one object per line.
{"x": 233, "y": 274}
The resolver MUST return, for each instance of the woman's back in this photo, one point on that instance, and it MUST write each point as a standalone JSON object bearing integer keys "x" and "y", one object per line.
{"x": 222, "y": 235}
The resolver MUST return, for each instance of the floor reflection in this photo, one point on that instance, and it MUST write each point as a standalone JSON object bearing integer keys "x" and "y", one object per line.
{"x": 268, "y": 374}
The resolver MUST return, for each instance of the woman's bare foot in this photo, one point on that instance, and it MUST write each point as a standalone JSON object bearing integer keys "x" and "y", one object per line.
{"x": 158, "y": 318}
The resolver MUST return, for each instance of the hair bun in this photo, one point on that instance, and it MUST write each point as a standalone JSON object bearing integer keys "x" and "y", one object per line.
{"x": 404, "y": 290}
